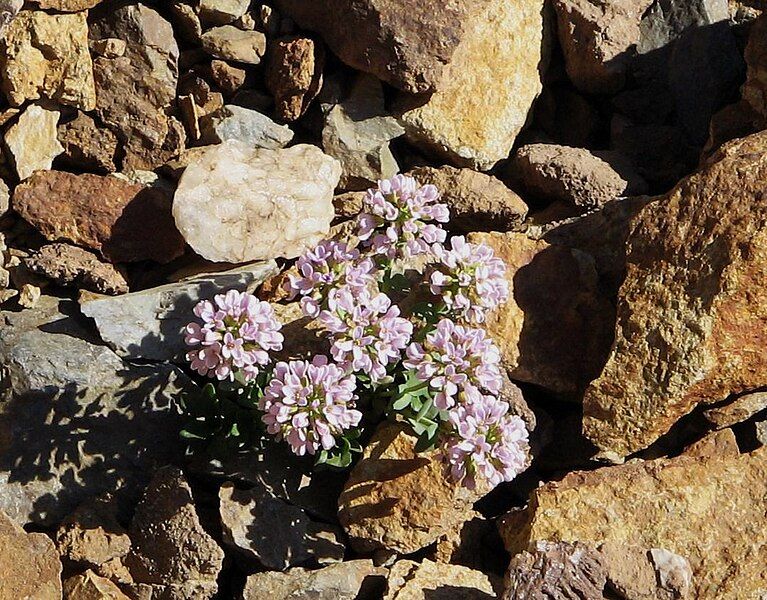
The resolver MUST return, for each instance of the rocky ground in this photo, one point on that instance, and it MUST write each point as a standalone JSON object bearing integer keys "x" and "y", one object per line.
{"x": 612, "y": 152}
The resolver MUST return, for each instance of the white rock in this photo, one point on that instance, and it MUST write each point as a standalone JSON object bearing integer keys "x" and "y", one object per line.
{"x": 251, "y": 127}
{"x": 33, "y": 140}
{"x": 237, "y": 204}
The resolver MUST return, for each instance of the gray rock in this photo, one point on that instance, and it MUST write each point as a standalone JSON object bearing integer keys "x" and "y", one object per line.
{"x": 149, "y": 324}
{"x": 222, "y": 12}
{"x": 251, "y": 127}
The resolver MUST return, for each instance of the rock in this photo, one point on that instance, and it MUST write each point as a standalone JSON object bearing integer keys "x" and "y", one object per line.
{"x": 476, "y": 544}
{"x": 229, "y": 43}
{"x": 477, "y": 202}
{"x": 741, "y": 409}
{"x": 67, "y": 5}
{"x": 75, "y": 420}
{"x": 72, "y": 266}
{"x": 8, "y": 11}
{"x": 280, "y": 204}
{"x": 32, "y": 140}
{"x": 29, "y": 564}
{"x": 428, "y": 580}
{"x": 5, "y": 198}
{"x": 716, "y": 444}
{"x": 488, "y": 88}
{"x": 222, "y": 12}
{"x": 294, "y": 75}
{"x": 264, "y": 531}
{"x": 46, "y": 56}
{"x": 357, "y": 132}
{"x": 148, "y": 325}
{"x": 110, "y": 47}
{"x": 575, "y": 176}
{"x": 567, "y": 117}
{"x": 106, "y": 214}
{"x": 187, "y": 21}
{"x": 342, "y": 581}
{"x": 227, "y": 77}
{"x": 170, "y": 546}
{"x": 90, "y": 586}
{"x": 134, "y": 91}
{"x": 250, "y": 127}
{"x": 87, "y": 146}
{"x": 194, "y": 114}
{"x": 399, "y": 500}
{"x": 689, "y": 311}
{"x": 29, "y": 295}
{"x": 709, "y": 509}
{"x": 755, "y": 89}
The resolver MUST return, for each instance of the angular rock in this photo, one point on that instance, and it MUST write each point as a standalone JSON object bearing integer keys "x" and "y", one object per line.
{"x": 428, "y": 580}
{"x": 268, "y": 532}
{"x": 8, "y": 11}
{"x": 280, "y": 204}
{"x": 149, "y": 325}
{"x": 477, "y": 202}
{"x": 46, "y": 56}
{"x": 250, "y": 127}
{"x": 690, "y": 313}
{"x": 357, "y": 132}
{"x": 755, "y": 89}
{"x": 89, "y": 586}
{"x": 227, "y": 77}
{"x": 221, "y": 12}
{"x": 66, "y": 5}
{"x": 32, "y": 140}
{"x": 187, "y": 21}
{"x": 170, "y": 546}
{"x": 741, "y": 409}
{"x": 106, "y": 214}
{"x": 88, "y": 146}
{"x": 294, "y": 74}
{"x": 72, "y": 266}
{"x": 5, "y": 198}
{"x": 229, "y": 43}
{"x": 110, "y": 47}
{"x": 29, "y": 563}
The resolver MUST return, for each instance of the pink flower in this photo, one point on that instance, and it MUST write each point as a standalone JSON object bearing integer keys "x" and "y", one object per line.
{"x": 309, "y": 404}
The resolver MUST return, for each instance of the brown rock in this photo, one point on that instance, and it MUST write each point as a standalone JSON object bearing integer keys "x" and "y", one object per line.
{"x": 428, "y": 580}
{"x": 90, "y": 586}
{"x": 229, "y": 78}
{"x": 123, "y": 221}
{"x": 690, "y": 325}
{"x": 717, "y": 444}
{"x": 755, "y": 89}
{"x": 8, "y": 11}
{"x": 87, "y": 146}
{"x": 229, "y": 43}
{"x": 29, "y": 564}
{"x": 67, "y": 5}
{"x": 294, "y": 74}
{"x": 477, "y": 202}
{"x": 741, "y": 409}
{"x": 733, "y": 121}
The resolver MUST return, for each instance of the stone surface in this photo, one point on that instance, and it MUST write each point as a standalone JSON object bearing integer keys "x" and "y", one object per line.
{"x": 357, "y": 132}
{"x": 29, "y": 563}
{"x": 250, "y": 127}
{"x": 67, "y": 5}
{"x": 87, "y": 145}
{"x": 488, "y": 88}
{"x": 32, "y": 140}
{"x": 221, "y": 12}
{"x": 149, "y": 324}
{"x": 477, "y": 201}
{"x": 229, "y": 43}
{"x": 755, "y": 89}
{"x": 72, "y": 266}
{"x": 708, "y": 509}
{"x": 575, "y": 176}
{"x": 5, "y": 198}
{"x": 227, "y": 77}
{"x": 75, "y": 420}
{"x": 428, "y": 580}
{"x": 341, "y": 581}
{"x": 46, "y": 56}
{"x": 106, "y": 214}
{"x": 294, "y": 74}
{"x": 690, "y": 316}
{"x": 279, "y": 203}
{"x": 264, "y": 531}
{"x": 89, "y": 586}
{"x": 741, "y": 409}
{"x": 8, "y": 11}
{"x": 170, "y": 546}
{"x": 399, "y": 500}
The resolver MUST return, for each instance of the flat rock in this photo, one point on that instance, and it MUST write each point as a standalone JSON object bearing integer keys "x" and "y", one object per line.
{"x": 107, "y": 214}
{"x": 32, "y": 140}
{"x": 87, "y": 145}
{"x": 250, "y": 127}
{"x": 755, "y": 89}
{"x": 29, "y": 563}
{"x": 690, "y": 315}
{"x": 477, "y": 202}
{"x": 230, "y": 43}
{"x": 72, "y": 266}
{"x": 741, "y": 409}
{"x": 149, "y": 324}
{"x": 221, "y": 12}
{"x": 280, "y": 203}
{"x": 46, "y": 56}
{"x": 89, "y": 586}
{"x": 428, "y": 580}
{"x": 294, "y": 74}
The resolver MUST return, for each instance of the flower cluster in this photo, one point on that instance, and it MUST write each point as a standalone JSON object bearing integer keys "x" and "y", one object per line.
{"x": 457, "y": 361}
{"x": 396, "y": 218}
{"x": 309, "y": 404}
{"x": 470, "y": 279}
{"x": 237, "y": 333}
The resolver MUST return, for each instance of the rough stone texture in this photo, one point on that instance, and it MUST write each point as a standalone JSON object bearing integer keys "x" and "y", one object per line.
{"x": 399, "y": 500}
{"x": 280, "y": 202}
{"x": 741, "y": 409}
{"x": 250, "y": 127}
{"x": 67, "y": 5}
{"x": 5, "y": 198}
{"x": 229, "y": 43}
{"x": 709, "y": 509}
{"x": 170, "y": 547}
{"x": 70, "y": 266}
{"x": 269, "y": 532}
{"x": 357, "y": 132}
{"x": 8, "y": 11}
{"x": 89, "y": 586}
{"x": 428, "y": 580}
{"x": 46, "y": 56}
{"x": 477, "y": 202}
{"x": 221, "y": 12}
{"x": 32, "y": 140}
{"x": 227, "y": 77}
{"x": 555, "y": 330}
{"x": 641, "y": 574}
{"x": 489, "y": 87}
{"x": 691, "y": 320}
{"x": 75, "y": 421}
{"x": 294, "y": 75}
{"x": 755, "y": 89}
{"x": 122, "y": 221}
{"x": 29, "y": 564}
{"x": 148, "y": 325}
{"x": 135, "y": 90}
{"x": 87, "y": 145}
{"x": 575, "y": 176}
{"x": 341, "y": 581}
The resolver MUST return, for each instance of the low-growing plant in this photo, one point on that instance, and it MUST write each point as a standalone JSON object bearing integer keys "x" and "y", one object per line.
{"x": 404, "y": 347}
